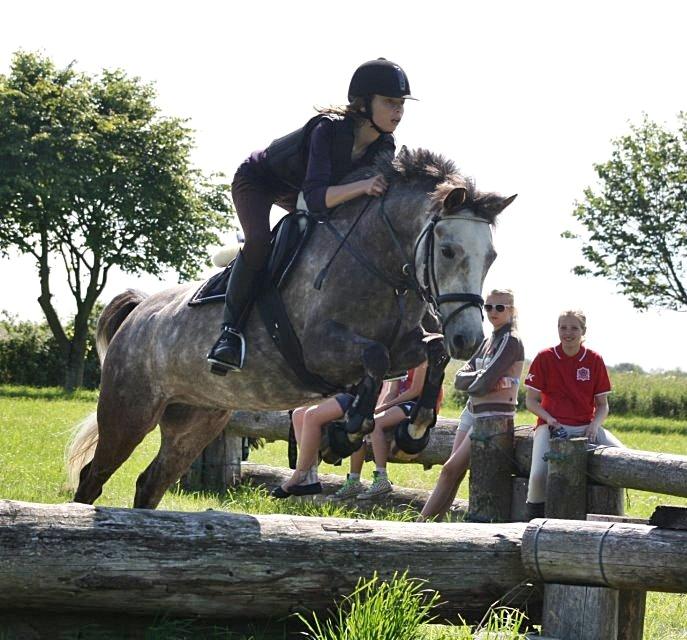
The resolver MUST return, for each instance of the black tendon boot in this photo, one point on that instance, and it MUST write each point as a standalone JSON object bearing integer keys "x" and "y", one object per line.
{"x": 229, "y": 351}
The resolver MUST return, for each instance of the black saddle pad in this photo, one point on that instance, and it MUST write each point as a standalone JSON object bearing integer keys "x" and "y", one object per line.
{"x": 288, "y": 239}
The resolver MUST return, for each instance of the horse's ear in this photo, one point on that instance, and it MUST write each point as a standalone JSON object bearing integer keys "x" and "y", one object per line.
{"x": 455, "y": 199}
{"x": 499, "y": 206}
{"x": 492, "y": 204}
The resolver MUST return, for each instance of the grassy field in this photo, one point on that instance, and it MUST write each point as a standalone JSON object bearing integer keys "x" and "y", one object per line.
{"x": 35, "y": 425}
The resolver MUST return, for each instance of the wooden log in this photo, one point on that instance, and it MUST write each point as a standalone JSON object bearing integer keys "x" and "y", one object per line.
{"x": 616, "y": 467}
{"x": 566, "y": 483}
{"x": 218, "y": 468}
{"x": 668, "y": 517}
{"x": 600, "y": 500}
{"x": 400, "y": 499}
{"x": 642, "y": 470}
{"x": 491, "y": 470}
{"x": 70, "y": 557}
{"x": 617, "y": 555}
{"x": 605, "y": 500}
{"x": 572, "y": 612}
{"x": 631, "y": 613}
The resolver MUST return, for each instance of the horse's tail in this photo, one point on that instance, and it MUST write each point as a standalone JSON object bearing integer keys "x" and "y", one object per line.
{"x": 112, "y": 317}
{"x": 82, "y": 445}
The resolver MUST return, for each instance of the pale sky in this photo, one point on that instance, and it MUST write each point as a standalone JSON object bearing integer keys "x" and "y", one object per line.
{"x": 523, "y": 96}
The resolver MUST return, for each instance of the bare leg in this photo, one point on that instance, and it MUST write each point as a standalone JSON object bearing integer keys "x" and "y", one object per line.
{"x": 297, "y": 417}
{"x": 452, "y": 474}
{"x": 310, "y": 437}
{"x": 384, "y": 421}
{"x": 358, "y": 460}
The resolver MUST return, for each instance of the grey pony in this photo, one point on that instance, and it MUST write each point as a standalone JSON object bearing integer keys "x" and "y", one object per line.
{"x": 153, "y": 347}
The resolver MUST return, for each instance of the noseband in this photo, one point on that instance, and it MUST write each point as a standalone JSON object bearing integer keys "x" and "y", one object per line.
{"x": 429, "y": 286}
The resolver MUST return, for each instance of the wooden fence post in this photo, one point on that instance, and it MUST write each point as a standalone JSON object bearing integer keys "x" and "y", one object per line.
{"x": 218, "y": 467}
{"x": 491, "y": 470}
{"x": 572, "y": 612}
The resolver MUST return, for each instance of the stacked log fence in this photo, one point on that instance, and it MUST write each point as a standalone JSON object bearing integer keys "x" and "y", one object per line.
{"x": 593, "y": 570}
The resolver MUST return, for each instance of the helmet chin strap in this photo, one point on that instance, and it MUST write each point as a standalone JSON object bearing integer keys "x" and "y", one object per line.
{"x": 368, "y": 115}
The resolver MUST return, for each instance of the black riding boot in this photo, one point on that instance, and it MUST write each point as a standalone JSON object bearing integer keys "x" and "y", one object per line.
{"x": 534, "y": 510}
{"x": 229, "y": 351}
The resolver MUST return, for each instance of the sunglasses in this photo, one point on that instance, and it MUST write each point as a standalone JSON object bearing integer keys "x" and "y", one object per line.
{"x": 499, "y": 307}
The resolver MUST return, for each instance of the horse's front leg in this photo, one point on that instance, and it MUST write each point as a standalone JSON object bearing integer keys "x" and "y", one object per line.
{"x": 333, "y": 347}
{"x": 424, "y": 415}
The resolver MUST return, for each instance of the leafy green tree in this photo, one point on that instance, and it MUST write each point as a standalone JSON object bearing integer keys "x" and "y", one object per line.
{"x": 637, "y": 218}
{"x": 92, "y": 175}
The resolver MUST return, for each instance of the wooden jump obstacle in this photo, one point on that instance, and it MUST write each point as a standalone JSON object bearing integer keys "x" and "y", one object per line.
{"x": 580, "y": 482}
{"x": 217, "y": 565}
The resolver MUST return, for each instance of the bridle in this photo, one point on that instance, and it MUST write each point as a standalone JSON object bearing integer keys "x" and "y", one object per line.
{"x": 426, "y": 289}
{"x": 429, "y": 285}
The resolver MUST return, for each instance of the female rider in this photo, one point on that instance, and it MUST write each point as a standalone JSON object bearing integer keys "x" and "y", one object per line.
{"x": 491, "y": 378}
{"x": 312, "y": 159}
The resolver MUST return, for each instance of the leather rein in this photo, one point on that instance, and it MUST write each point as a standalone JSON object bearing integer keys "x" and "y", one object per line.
{"x": 407, "y": 280}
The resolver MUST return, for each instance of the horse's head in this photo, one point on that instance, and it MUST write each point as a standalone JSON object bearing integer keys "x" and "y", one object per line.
{"x": 454, "y": 256}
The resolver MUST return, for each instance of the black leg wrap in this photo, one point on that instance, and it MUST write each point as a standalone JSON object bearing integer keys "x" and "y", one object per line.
{"x": 363, "y": 406}
{"x": 405, "y": 442}
{"x": 340, "y": 444}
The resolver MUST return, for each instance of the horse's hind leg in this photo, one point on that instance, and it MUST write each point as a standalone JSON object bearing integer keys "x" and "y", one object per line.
{"x": 121, "y": 428}
{"x": 185, "y": 432}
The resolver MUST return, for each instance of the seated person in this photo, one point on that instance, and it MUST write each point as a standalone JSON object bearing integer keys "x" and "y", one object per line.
{"x": 396, "y": 403}
{"x": 567, "y": 389}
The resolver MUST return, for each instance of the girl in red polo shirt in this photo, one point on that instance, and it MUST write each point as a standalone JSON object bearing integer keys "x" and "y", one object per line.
{"x": 567, "y": 389}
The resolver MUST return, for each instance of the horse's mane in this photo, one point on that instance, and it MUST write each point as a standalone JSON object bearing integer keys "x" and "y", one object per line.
{"x": 435, "y": 174}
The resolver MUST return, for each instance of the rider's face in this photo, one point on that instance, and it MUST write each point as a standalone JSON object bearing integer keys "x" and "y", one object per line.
{"x": 387, "y": 112}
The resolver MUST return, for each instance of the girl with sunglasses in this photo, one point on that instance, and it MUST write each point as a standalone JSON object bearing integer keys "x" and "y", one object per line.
{"x": 567, "y": 389}
{"x": 491, "y": 377}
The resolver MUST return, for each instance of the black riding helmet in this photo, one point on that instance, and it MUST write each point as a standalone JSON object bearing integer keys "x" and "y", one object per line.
{"x": 381, "y": 77}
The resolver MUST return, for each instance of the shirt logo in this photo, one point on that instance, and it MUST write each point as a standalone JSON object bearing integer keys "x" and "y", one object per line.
{"x": 530, "y": 377}
{"x": 583, "y": 374}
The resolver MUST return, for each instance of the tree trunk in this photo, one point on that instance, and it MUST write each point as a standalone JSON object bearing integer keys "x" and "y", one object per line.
{"x": 74, "y": 369}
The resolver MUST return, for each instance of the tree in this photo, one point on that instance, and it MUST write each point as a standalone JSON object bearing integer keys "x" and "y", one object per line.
{"x": 91, "y": 174}
{"x": 637, "y": 220}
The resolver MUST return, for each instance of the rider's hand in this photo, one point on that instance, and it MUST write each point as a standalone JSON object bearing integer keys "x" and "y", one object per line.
{"x": 592, "y": 431}
{"x": 376, "y": 186}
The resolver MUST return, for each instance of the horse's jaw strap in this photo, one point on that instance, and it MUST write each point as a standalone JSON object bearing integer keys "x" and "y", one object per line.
{"x": 429, "y": 288}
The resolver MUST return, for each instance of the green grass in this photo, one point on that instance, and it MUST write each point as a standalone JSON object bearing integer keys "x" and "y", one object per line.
{"x": 35, "y": 425}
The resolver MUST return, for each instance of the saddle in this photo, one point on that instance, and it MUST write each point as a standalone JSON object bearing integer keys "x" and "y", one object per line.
{"x": 289, "y": 237}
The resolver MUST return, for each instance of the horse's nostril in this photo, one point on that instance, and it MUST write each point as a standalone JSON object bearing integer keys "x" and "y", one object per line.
{"x": 458, "y": 343}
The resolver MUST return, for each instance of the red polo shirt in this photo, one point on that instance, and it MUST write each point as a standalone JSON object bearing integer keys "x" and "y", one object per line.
{"x": 568, "y": 384}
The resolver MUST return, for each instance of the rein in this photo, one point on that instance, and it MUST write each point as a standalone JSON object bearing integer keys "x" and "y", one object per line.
{"x": 428, "y": 290}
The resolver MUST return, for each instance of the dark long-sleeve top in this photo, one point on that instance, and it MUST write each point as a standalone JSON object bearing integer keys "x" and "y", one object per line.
{"x": 500, "y": 355}
{"x": 321, "y": 172}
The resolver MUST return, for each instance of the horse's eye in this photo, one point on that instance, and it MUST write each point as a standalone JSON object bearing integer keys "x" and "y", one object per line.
{"x": 447, "y": 252}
